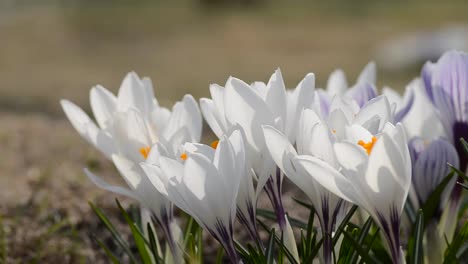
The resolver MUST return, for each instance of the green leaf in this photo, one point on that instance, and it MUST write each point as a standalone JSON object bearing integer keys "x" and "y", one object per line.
{"x": 460, "y": 239}
{"x": 432, "y": 203}
{"x": 283, "y": 250}
{"x": 109, "y": 253}
{"x": 464, "y": 144}
{"x": 115, "y": 234}
{"x": 154, "y": 244}
{"x": 415, "y": 255}
{"x": 138, "y": 236}
{"x": 303, "y": 204}
{"x": 345, "y": 221}
{"x": 219, "y": 255}
{"x": 361, "y": 251}
{"x": 272, "y": 216}
{"x": 362, "y": 235}
{"x": 270, "y": 248}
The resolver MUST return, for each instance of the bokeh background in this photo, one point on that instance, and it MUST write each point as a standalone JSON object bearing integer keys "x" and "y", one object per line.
{"x": 59, "y": 49}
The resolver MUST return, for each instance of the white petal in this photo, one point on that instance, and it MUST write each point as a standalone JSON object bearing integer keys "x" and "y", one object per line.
{"x": 276, "y": 96}
{"x": 212, "y": 116}
{"x": 368, "y": 74}
{"x": 356, "y": 133}
{"x": 351, "y": 157}
{"x": 320, "y": 144}
{"x": 202, "y": 149}
{"x": 108, "y": 187}
{"x": 328, "y": 177}
{"x": 103, "y": 104}
{"x": 337, "y": 122}
{"x": 348, "y": 106}
{"x": 88, "y": 129}
{"x": 280, "y": 149}
{"x": 246, "y": 108}
{"x": 307, "y": 121}
{"x": 185, "y": 113}
{"x": 133, "y": 94}
{"x": 393, "y": 97}
{"x": 382, "y": 175}
{"x": 302, "y": 98}
{"x": 337, "y": 84}
{"x": 130, "y": 171}
{"x": 130, "y": 134}
{"x": 156, "y": 177}
{"x": 379, "y": 107}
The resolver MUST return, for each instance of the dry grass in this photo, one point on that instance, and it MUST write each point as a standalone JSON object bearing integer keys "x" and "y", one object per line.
{"x": 48, "y": 52}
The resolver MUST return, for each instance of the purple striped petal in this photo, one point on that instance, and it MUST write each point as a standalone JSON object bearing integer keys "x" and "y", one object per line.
{"x": 406, "y": 108}
{"x": 430, "y": 166}
{"x": 362, "y": 92}
{"x": 448, "y": 78}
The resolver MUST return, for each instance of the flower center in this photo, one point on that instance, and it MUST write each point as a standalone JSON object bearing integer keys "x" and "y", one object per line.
{"x": 214, "y": 144}
{"x": 144, "y": 151}
{"x": 183, "y": 156}
{"x": 369, "y": 145}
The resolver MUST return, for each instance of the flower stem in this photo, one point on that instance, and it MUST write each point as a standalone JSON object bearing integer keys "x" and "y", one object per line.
{"x": 273, "y": 190}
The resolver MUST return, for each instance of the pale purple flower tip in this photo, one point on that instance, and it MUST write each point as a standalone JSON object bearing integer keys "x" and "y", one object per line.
{"x": 446, "y": 83}
{"x": 362, "y": 92}
{"x": 430, "y": 167}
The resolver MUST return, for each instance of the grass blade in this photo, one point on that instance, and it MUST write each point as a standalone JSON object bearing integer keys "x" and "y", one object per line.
{"x": 415, "y": 243}
{"x": 115, "y": 234}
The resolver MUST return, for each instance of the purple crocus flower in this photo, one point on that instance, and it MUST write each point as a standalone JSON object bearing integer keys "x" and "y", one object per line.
{"x": 429, "y": 161}
{"x": 446, "y": 83}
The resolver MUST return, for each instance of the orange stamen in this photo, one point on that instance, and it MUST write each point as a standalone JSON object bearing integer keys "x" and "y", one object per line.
{"x": 214, "y": 144}
{"x": 368, "y": 146}
{"x": 183, "y": 156}
{"x": 333, "y": 131}
{"x": 144, "y": 151}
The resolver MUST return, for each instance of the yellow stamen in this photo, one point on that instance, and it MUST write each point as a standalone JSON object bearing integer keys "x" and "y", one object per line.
{"x": 183, "y": 156}
{"x": 214, "y": 144}
{"x": 367, "y": 146}
{"x": 333, "y": 131}
{"x": 144, "y": 151}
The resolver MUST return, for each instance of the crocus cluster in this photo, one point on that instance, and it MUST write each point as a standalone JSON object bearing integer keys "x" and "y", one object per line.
{"x": 343, "y": 145}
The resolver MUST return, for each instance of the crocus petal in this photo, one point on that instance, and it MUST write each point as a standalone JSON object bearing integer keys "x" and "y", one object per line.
{"x": 337, "y": 83}
{"x": 430, "y": 166}
{"x": 212, "y": 116}
{"x": 88, "y": 129}
{"x": 185, "y": 113}
{"x": 276, "y": 96}
{"x": 131, "y": 172}
{"x": 280, "y": 149}
{"x": 108, "y": 187}
{"x": 393, "y": 97}
{"x": 247, "y": 108}
{"x": 451, "y": 77}
{"x": 301, "y": 98}
{"x": 133, "y": 94}
{"x": 103, "y": 104}
{"x": 384, "y": 175}
{"x": 328, "y": 177}
{"x": 368, "y": 74}
{"x": 379, "y": 107}
{"x": 362, "y": 92}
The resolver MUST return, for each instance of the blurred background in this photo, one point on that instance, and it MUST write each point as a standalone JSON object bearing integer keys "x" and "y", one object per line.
{"x": 59, "y": 49}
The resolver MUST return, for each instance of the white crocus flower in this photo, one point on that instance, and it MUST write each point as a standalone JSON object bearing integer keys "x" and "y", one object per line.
{"x": 250, "y": 107}
{"x": 315, "y": 138}
{"x": 128, "y": 124}
{"x": 375, "y": 174}
{"x": 203, "y": 182}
